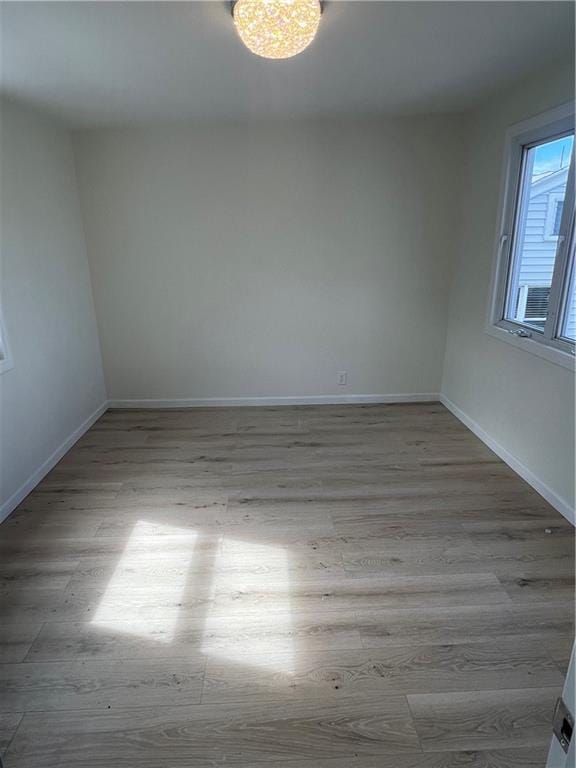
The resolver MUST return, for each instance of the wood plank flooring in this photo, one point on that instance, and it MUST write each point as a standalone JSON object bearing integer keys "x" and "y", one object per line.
{"x": 307, "y": 587}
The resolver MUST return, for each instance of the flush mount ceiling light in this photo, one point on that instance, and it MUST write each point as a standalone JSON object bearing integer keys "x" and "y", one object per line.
{"x": 277, "y": 29}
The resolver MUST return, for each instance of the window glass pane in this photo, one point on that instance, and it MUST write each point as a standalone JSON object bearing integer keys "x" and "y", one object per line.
{"x": 535, "y": 238}
{"x": 569, "y": 324}
{"x": 559, "y": 207}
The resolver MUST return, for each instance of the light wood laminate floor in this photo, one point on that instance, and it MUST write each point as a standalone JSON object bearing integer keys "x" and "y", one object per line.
{"x": 311, "y": 587}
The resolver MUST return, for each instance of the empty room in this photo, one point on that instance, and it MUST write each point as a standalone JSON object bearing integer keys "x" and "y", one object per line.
{"x": 287, "y": 333}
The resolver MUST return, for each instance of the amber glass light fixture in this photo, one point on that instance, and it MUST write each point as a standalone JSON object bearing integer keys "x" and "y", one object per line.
{"x": 277, "y": 29}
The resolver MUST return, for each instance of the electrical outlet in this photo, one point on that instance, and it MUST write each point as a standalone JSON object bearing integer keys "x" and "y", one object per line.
{"x": 342, "y": 378}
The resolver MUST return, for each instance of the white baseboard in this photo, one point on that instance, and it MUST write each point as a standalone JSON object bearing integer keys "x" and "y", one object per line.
{"x": 221, "y": 402}
{"x": 521, "y": 469}
{"x": 10, "y": 504}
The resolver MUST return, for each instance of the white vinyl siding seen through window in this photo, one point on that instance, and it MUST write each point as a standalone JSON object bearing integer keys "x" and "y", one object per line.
{"x": 533, "y": 296}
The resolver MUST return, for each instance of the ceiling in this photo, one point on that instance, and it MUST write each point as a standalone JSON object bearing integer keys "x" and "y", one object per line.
{"x": 115, "y": 63}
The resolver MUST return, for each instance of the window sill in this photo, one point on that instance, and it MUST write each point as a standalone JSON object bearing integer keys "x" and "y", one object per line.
{"x": 534, "y": 347}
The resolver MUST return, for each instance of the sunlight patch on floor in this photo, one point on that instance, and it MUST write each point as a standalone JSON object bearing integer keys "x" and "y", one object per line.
{"x": 259, "y": 617}
{"x": 148, "y": 586}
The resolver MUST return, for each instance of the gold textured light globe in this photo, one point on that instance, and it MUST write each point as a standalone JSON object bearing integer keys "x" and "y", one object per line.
{"x": 277, "y": 29}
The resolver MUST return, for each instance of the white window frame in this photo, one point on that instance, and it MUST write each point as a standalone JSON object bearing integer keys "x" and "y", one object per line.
{"x": 553, "y": 198}
{"x": 6, "y": 359}
{"x": 547, "y": 344}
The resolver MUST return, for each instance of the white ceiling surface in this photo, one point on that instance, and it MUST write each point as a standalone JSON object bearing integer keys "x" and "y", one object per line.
{"x": 114, "y": 63}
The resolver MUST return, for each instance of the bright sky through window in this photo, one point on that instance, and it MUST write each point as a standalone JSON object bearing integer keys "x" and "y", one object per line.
{"x": 552, "y": 156}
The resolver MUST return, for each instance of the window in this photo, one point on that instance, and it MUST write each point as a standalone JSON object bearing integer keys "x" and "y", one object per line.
{"x": 557, "y": 217}
{"x": 554, "y": 212}
{"x": 533, "y": 302}
{"x": 5, "y": 355}
{"x": 569, "y": 314}
{"x": 532, "y": 308}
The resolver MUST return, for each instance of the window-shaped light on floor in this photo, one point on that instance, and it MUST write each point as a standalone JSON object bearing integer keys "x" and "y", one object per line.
{"x": 144, "y": 595}
{"x": 250, "y": 619}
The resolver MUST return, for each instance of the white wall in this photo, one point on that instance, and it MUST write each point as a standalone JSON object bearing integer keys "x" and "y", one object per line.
{"x": 259, "y": 260}
{"x": 56, "y": 382}
{"x": 525, "y": 403}
{"x": 239, "y": 260}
